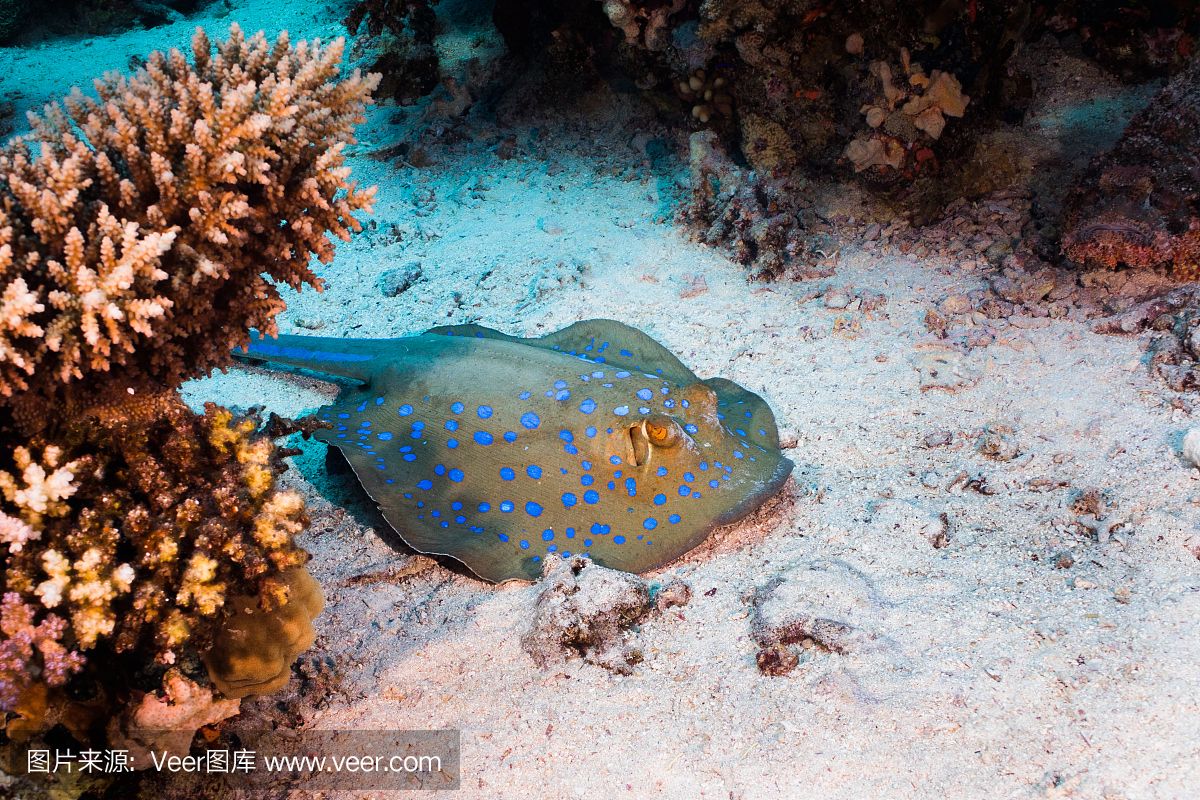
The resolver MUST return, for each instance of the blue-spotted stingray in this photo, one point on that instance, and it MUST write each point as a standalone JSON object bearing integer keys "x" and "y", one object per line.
{"x": 497, "y": 450}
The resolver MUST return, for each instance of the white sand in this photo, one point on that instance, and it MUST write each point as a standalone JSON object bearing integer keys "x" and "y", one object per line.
{"x": 990, "y": 672}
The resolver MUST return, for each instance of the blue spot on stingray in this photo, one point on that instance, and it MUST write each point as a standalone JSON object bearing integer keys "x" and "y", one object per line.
{"x": 643, "y": 410}
{"x": 456, "y": 407}
{"x": 484, "y": 508}
{"x": 572, "y": 449}
{"x": 506, "y": 506}
{"x": 625, "y": 353}
{"x": 684, "y": 491}
{"x": 562, "y": 394}
{"x": 524, "y": 545}
{"x": 456, "y": 505}
{"x": 659, "y": 499}
{"x": 673, "y": 519}
{"x": 460, "y": 519}
{"x": 440, "y": 469}
{"x": 668, "y": 403}
{"x": 617, "y": 474}
{"x": 739, "y": 431}
{"x": 425, "y": 484}
{"x": 569, "y": 499}
{"x": 484, "y": 412}
{"x": 342, "y": 428}
{"x": 560, "y": 384}
{"x": 587, "y": 542}
{"x": 587, "y": 406}
{"x": 586, "y": 465}
{"x": 631, "y": 487}
{"x": 686, "y": 404}
{"x": 510, "y": 436}
{"x": 586, "y": 480}
{"x": 410, "y": 457}
{"x": 600, "y": 530}
{"x": 644, "y": 394}
{"x": 533, "y": 471}
{"x": 548, "y": 535}
{"x": 615, "y": 459}
{"x": 524, "y": 395}
{"x": 483, "y": 437}
{"x": 762, "y": 432}
{"x": 533, "y": 509}
{"x": 365, "y": 423}
{"x": 690, "y": 428}
{"x": 738, "y": 454}
{"x": 661, "y": 471}
{"x": 452, "y": 443}
{"x": 502, "y": 537}
{"x": 621, "y": 411}
{"x": 343, "y": 415}
{"x": 591, "y": 431}
{"x": 451, "y": 424}
{"x": 418, "y": 425}
{"x": 507, "y": 473}
{"x": 404, "y": 410}
{"x": 611, "y": 486}
{"x": 591, "y": 496}
{"x": 566, "y": 435}
{"x": 703, "y": 466}
{"x": 622, "y": 374}
{"x": 618, "y": 540}
{"x": 650, "y": 524}
{"x": 689, "y": 477}
{"x": 530, "y": 420}
{"x": 379, "y": 400}
{"x": 714, "y": 483}
{"x": 386, "y": 436}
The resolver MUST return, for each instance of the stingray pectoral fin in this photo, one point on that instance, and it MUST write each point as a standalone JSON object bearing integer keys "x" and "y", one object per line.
{"x": 745, "y": 411}
{"x": 619, "y": 346}
{"x": 356, "y": 359}
{"x": 604, "y": 340}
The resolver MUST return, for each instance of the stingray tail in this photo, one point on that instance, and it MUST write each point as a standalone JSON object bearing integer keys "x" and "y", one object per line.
{"x": 347, "y": 358}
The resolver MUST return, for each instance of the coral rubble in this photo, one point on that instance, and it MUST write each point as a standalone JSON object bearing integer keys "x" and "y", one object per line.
{"x": 1139, "y": 204}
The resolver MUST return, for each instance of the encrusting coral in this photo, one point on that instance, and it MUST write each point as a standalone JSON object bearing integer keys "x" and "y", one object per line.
{"x": 127, "y": 218}
{"x": 141, "y": 235}
{"x": 255, "y": 648}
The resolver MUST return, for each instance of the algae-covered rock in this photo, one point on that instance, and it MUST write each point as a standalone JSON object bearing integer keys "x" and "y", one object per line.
{"x": 253, "y": 653}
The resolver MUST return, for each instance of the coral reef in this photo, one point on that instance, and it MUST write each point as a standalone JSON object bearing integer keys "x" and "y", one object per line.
{"x": 145, "y": 521}
{"x": 645, "y": 24}
{"x": 168, "y": 723}
{"x": 255, "y": 648}
{"x": 404, "y": 31}
{"x": 141, "y": 235}
{"x": 127, "y": 218}
{"x": 1139, "y": 204}
{"x": 586, "y": 611}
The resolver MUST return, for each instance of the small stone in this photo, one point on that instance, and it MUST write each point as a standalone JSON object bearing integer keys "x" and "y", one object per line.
{"x": 1191, "y": 447}
{"x": 854, "y": 44}
{"x": 938, "y": 439}
{"x": 956, "y": 304}
{"x": 1064, "y": 561}
{"x": 999, "y": 443}
{"x": 837, "y": 299}
{"x": 396, "y": 281}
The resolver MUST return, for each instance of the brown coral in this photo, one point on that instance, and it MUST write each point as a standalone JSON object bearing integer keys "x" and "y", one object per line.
{"x": 127, "y": 218}
{"x": 168, "y": 723}
{"x": 157, "y": 515}
{"x": 254, "y": 651}
{"x": 1139, "y": 204}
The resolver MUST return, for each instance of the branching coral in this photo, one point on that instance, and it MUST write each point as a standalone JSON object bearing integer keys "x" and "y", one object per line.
{"x": 1139, "y": 204}
{"x": 645, "y": 23}
{"x": 127, "y": 218}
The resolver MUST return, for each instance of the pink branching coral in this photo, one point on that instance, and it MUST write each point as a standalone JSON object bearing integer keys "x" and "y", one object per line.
{"x": 146, "y": 228}
{"x": 31, "y": 652}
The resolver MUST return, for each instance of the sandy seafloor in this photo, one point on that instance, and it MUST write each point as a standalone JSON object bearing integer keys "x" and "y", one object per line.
{"x": 994, "y": 672}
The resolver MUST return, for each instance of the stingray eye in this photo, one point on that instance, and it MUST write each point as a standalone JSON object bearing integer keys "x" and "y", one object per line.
{"x": 661, "y": 431}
